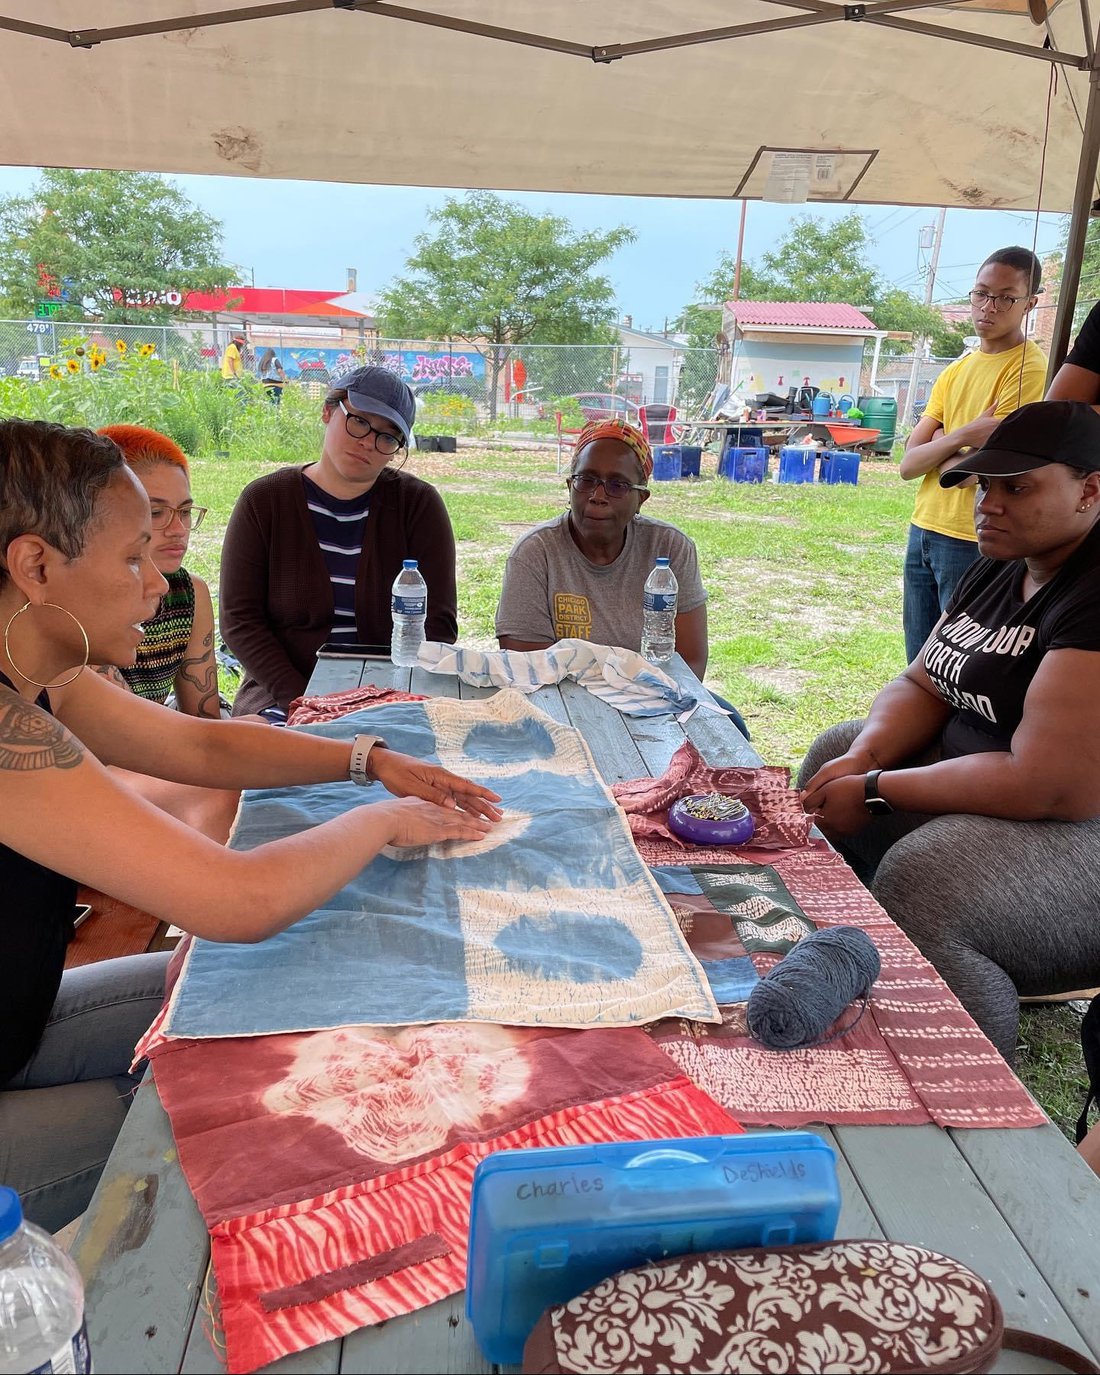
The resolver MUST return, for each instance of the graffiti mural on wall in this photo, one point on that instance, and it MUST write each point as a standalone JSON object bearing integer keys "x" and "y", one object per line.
{"x": 410, "y": 364}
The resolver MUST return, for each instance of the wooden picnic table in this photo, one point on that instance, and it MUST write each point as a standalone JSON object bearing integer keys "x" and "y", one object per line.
{"x": 1020, "y": 1206}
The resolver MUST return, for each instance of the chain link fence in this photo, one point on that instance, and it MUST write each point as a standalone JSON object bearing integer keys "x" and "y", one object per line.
{"x": 463, "y": 384}
{"x": 894, "y": 377}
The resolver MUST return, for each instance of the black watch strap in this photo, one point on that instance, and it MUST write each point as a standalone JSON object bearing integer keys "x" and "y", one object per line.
{"x": 873, "y": 800}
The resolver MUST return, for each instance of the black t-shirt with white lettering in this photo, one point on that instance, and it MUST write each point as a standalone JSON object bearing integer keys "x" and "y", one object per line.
{"x": 984, "y": 656}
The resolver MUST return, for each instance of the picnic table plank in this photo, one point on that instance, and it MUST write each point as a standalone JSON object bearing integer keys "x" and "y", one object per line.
{"x": 335, "y": 675}
{"x": 142, "y": 1240}
{"x": 615, "y": 753}
{"x": 923, "y": 1191}
{"x": 1019, "y": 1168}
{"x": 433, "y": 1341}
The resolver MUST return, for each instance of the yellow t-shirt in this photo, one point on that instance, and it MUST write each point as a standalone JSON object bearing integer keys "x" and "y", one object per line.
{"x": 231, "y": 362}
{"x": 965, "y": 389}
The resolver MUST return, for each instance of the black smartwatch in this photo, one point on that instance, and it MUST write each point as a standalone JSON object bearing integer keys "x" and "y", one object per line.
{"x": 875, "y": 803}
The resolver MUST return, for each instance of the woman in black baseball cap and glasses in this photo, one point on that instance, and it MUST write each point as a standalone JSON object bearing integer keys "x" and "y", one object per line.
{"x": 970, "y": 796}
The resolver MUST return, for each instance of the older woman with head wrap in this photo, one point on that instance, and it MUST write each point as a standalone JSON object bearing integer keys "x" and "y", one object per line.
{"x": 580, "y": 576}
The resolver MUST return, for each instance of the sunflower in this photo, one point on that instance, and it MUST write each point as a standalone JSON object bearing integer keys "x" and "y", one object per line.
{"x": 120, "y": 344}
{"x": 147, "y": 350}
{"x": 73, "y": 365}
{"x": 55, "y": 372}
{"x": 95, "y": 362}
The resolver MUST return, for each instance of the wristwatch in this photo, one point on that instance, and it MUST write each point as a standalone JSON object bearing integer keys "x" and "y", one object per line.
{"x": 875, "y": 803}
{"x": 361, "y": 747}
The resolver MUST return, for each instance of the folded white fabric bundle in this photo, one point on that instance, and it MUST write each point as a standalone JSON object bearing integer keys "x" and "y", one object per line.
{"x": 619, "y": 677}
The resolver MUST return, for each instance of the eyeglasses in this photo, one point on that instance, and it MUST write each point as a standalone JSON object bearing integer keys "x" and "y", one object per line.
{"x": 190, "y": 517}
{"x": 358, "y": 427}
{"x": 978, "y": 297}
{"x": 615, "y": 488}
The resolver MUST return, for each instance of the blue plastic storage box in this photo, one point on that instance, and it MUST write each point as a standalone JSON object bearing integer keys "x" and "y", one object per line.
{"x": 691, "y": 459}
{"x": 744, "y": 465}
{"x": 838, "y": 465}
{"x": 548, "y": 1223}
{"x": 666, "y": 462}
{"x": 797, "y": 464}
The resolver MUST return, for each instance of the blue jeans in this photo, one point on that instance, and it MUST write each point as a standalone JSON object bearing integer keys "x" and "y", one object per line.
{"x": 933, "y": 566}
{"x": 60, "y": 1114}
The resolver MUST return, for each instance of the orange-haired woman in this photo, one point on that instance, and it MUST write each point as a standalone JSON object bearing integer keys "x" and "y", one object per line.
{"x": 177, "y": 652}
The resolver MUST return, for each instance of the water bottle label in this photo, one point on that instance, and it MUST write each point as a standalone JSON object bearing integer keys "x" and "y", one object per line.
{"x": 660, "y": 601}
{"x": 74, "y": 1358}
{"x": 409, "y": 606}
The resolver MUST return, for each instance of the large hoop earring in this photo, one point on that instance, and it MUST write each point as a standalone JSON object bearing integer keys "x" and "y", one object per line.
{"x": 34, "y": 681}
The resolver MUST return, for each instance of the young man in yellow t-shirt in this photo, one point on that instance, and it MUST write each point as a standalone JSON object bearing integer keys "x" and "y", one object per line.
{"x": 969, "y": 399}
{"x": 232, "y": 360}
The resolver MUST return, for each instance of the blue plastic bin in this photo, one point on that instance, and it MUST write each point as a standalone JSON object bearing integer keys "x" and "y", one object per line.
{"x": 691, "y": 460}
{"x": 546, "y": 1223}
{"x": 744, "y": 465}
{"x": 797, "y": 464}
{"x": 838, "y": 465}
{"x": 666, "y": 463}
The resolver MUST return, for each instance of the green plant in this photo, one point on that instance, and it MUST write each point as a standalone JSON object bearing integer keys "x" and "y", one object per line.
{"x": 447, "y": 413}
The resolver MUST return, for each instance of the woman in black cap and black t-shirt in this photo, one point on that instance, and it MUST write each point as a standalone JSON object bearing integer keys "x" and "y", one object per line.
{"x": 972, "y": 790}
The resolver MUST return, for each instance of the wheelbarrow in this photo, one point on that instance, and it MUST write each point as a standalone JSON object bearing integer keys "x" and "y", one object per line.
{"x": 834, "y": 434}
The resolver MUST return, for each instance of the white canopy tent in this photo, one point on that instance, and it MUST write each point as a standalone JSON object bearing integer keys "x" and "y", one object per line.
{"x": 890, "y": 101}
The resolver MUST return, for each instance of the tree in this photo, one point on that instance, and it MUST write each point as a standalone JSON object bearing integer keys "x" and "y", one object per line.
{"x": 816, "y": 261}
{"x": 493, "y": 273}
{"x": 125, "y": 246}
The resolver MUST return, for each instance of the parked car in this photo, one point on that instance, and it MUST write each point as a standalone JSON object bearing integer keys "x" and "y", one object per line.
{"x": 597, "y": 405}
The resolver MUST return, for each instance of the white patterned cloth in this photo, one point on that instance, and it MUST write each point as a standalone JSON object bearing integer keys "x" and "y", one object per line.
{"x": 619, "y": 677}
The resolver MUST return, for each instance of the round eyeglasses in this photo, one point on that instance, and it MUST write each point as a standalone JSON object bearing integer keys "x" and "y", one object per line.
{"x": 615, "y": 488}
{"x": 979, "y": 297}
{"x": 190, "y": 517}
{"x": 359, "y": 427}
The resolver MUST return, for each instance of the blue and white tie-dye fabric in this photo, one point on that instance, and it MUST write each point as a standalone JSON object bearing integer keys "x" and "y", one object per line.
{"x": 619, "y": 677}
{"x": 552, "y": 920}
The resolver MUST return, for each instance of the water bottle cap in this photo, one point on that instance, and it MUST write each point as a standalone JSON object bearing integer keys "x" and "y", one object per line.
{"x": 662, "y": 563}
{"x": 11, "y": 1213}
{"x": 408, "y": 563}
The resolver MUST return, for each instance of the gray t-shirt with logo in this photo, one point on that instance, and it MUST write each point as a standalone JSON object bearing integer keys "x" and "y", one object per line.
{"x": 552, "y": 592}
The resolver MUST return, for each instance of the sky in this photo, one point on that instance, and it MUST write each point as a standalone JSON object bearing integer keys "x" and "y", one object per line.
{"x": 306, "y": 234}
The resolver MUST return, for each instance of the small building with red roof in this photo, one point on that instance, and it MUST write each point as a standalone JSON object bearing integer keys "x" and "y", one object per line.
{"x": 775, "y": 345}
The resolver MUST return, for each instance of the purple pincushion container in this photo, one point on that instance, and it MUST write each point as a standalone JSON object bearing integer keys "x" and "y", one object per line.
{"x": 711, "y": 819}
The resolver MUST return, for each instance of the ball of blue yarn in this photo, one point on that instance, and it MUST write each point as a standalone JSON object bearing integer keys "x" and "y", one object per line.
{"x": 797, "y": 1001}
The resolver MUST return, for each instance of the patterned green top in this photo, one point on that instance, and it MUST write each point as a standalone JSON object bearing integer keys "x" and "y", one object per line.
{"x": 161, "y": 651}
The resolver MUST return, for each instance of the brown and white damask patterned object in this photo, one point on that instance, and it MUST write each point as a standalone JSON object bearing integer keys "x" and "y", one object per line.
{"x": 843, "y": 1306}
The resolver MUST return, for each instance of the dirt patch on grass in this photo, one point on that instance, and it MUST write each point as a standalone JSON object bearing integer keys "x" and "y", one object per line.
{"x": 789, "y": 681}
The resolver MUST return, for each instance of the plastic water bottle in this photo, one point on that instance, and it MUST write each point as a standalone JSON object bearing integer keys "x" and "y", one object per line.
{"x": 41, "y": 1299}
{"x": 659, "y": 614}
{"x": 409, "y": 607}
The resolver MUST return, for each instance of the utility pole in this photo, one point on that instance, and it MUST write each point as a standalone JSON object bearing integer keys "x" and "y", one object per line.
{"x": 929, "y": 288}
{"x": 740, "y": 249}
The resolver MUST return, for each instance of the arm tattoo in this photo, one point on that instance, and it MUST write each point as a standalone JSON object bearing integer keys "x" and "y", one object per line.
{"x": 202, "y": 674}
{"x": 112, "y": 674}
{"x": 30, "y": 738}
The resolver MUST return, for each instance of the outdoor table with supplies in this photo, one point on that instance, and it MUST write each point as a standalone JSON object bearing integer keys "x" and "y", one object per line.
{"x": 1019, "y": 1206}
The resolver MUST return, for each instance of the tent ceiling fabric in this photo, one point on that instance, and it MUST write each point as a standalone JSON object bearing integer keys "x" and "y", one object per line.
{"x": 334, "y": 95}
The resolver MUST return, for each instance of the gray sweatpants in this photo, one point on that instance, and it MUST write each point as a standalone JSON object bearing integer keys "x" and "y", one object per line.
{"x": 1003, "y": 909}
{"x": 61, "y": 1113}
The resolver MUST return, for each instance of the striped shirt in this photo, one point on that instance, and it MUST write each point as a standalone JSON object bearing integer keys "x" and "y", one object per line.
{"x": 161, "y": 652}
{"x": 340, "y": 527}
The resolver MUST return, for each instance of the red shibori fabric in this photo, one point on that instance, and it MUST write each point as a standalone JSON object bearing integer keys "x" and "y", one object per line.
{"x": 305, "y": 711}
{"x": 310, "y": 1154}
{"x": 916, "y": 1055}
{"x": 777, "y": 809}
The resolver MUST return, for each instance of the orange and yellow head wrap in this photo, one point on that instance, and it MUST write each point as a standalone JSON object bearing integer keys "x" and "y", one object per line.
{"x": 625, "y": 434}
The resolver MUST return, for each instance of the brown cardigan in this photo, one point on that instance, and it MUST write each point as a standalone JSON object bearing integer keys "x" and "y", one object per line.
{"x": 276, "y": 606}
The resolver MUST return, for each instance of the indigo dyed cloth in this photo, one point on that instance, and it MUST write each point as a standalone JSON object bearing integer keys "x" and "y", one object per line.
{"x": 620, "y": 677}
{"x": 551, "y": 920}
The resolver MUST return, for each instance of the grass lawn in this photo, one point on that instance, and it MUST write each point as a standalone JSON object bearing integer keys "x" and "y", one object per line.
{"x": 804, "y": 612}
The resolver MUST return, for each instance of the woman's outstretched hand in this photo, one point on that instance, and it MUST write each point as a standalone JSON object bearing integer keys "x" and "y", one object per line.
{"x": 405, "y": 776}
{"x": 416, "y": 822}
